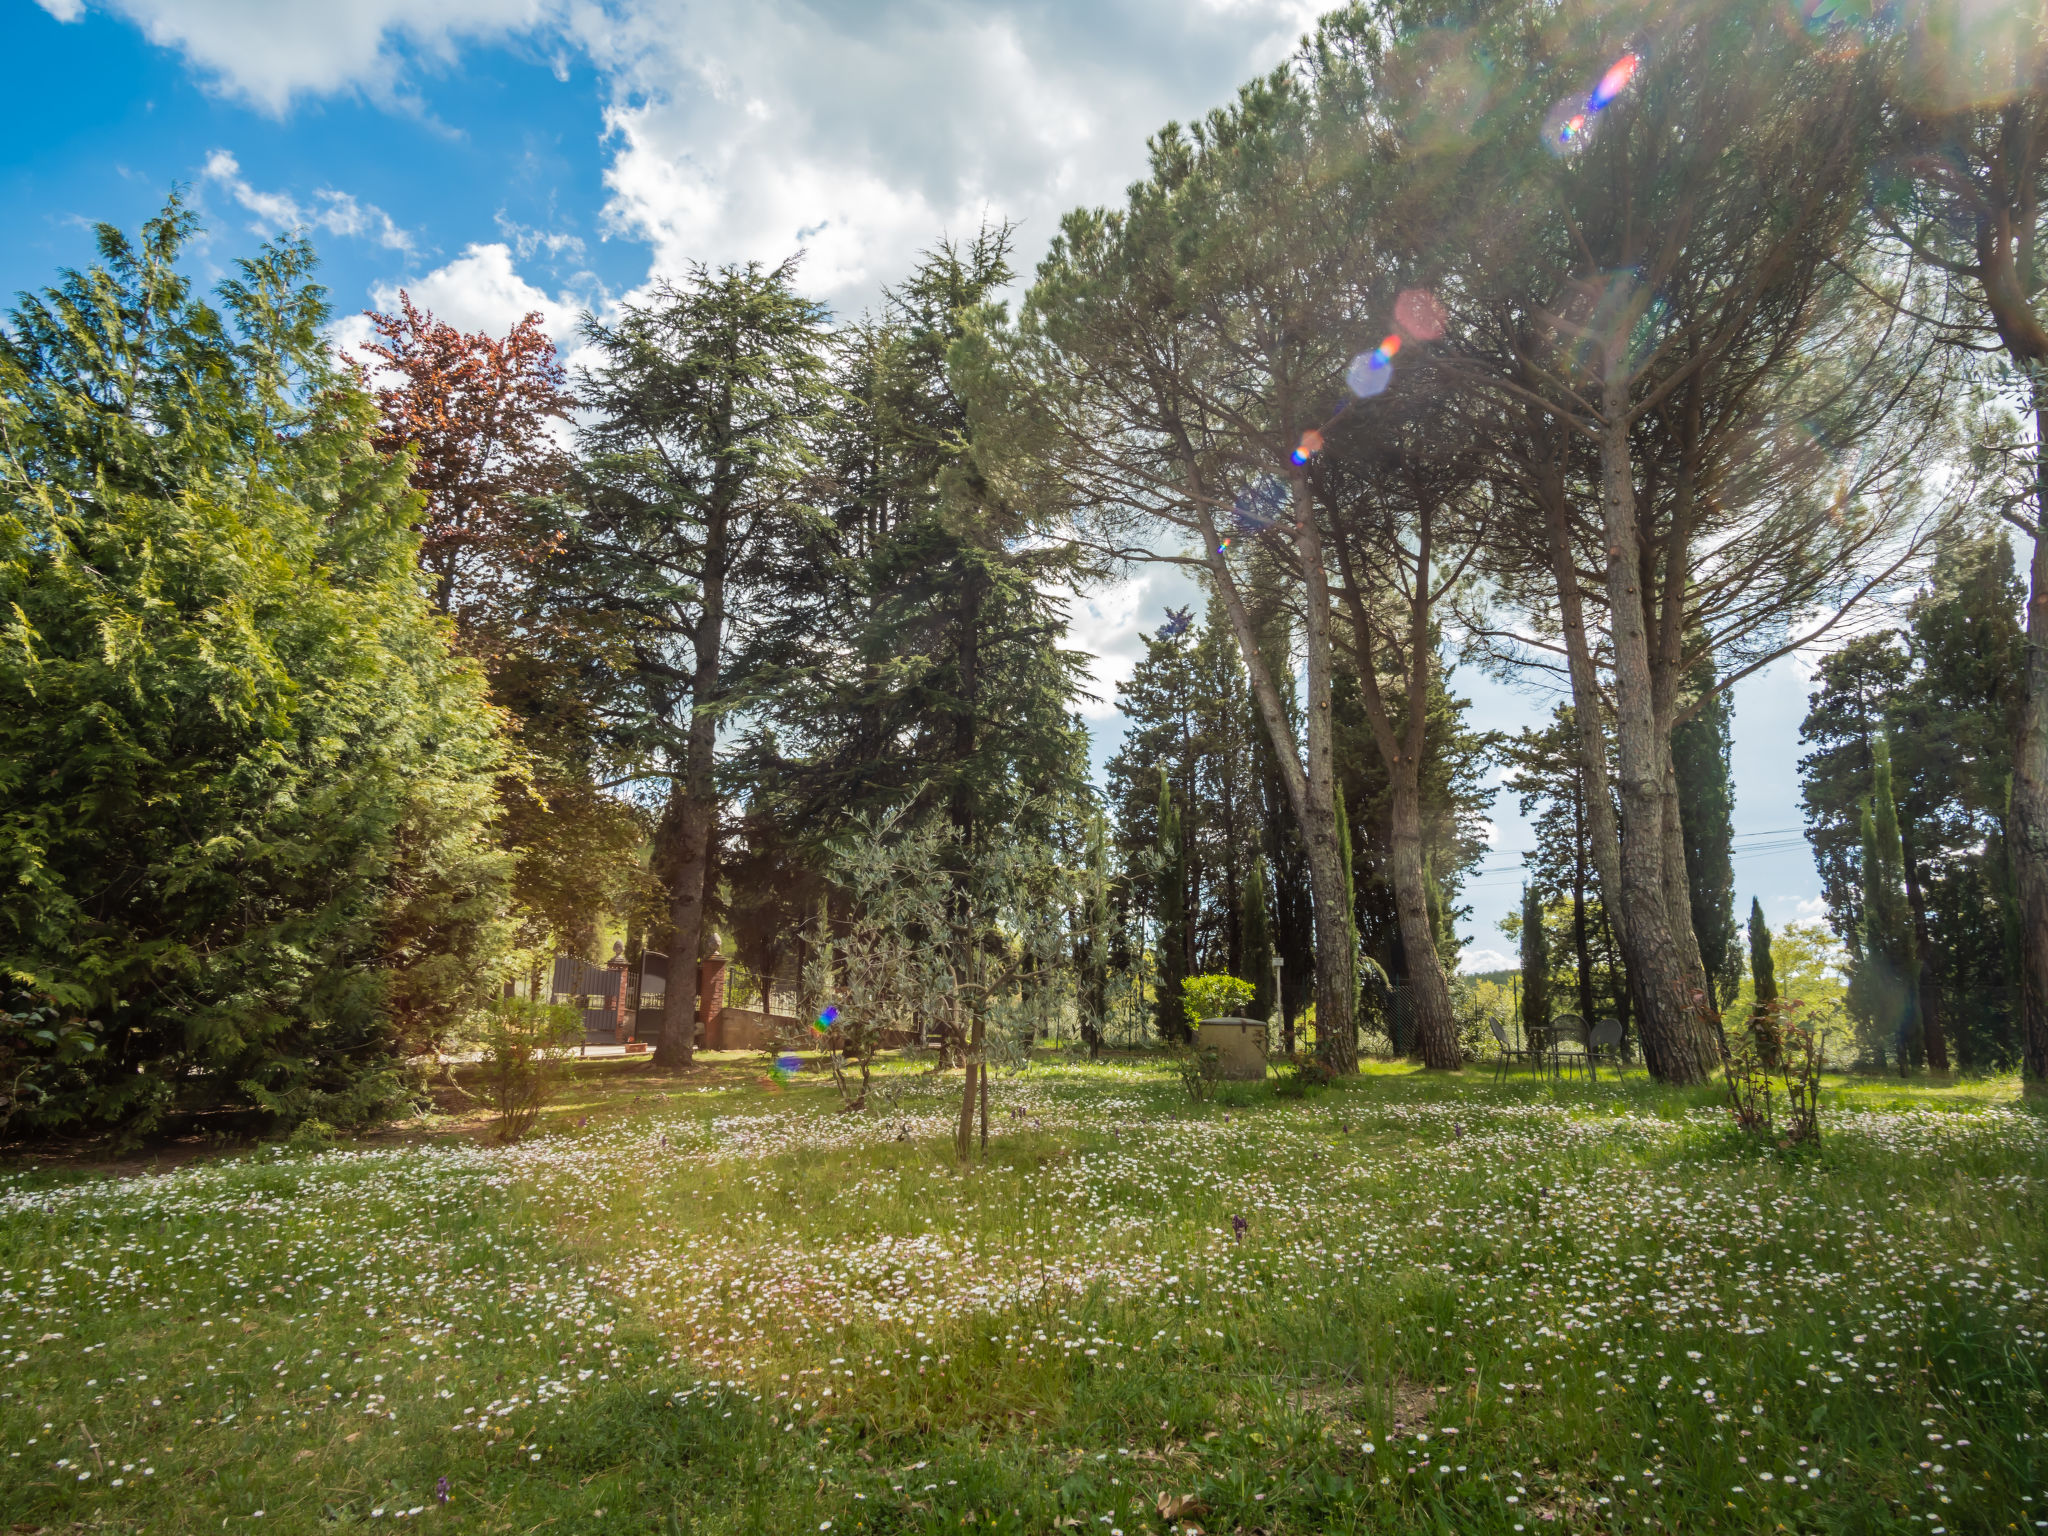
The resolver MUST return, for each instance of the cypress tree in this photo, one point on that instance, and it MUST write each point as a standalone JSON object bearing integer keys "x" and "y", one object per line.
{"x": 1258, "y": 941}
{"x": 1535, "y": 971}
{"x": 1890, "y": 957}
{"x": 1171, "y": 951}
{"x": 1706, "y": 816}
{"x": 1763, "y": 1021}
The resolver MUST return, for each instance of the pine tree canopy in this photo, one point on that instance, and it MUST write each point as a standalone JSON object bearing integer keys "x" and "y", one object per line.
{"x": 246, "y": 790}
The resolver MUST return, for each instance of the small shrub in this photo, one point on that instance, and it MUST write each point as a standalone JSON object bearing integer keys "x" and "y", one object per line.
{"x": 310, "y": 1135}
{"x": 1772, "y": 1052}
{"x": 1215, "y": 996}
{"x": 525, "y": 1046}
{"x": 1198, "y": 1070}
{"x": 1306, "y": 1073}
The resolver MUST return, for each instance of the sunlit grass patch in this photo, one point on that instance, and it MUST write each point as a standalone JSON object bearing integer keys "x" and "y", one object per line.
{"x": 1406, "y": 1303}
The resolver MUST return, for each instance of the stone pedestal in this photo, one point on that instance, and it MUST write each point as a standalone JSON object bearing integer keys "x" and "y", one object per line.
{"x": 1240, "y": 1047}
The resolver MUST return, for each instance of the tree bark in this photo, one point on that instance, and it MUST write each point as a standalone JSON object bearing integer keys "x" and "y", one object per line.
{"x": 1672, "y": 1021}
{"x": 963, "y": 1144}
{"x": 693, "y": 810}
{"x": 1336, "y": 942}
{"x": 1430, "y": 995}
{"x": 2029, "y": 814}
{"x": 1312, "y": 791}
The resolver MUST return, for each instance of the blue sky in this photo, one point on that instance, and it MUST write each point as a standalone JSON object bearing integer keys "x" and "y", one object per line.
{"x": 497, "y": 156}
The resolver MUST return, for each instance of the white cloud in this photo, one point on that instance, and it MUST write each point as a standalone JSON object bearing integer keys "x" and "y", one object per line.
{"x": 64, "y": 10}
{"x": 1110, "y": 623}
{"x": 268, "y": 52}
{"x": 862, "y": 133}
{"x": 480, "y": 290}
{"x": 858, "y": 131}
{"x": 338, "y": 213}
{"x": 1486, "y": 960}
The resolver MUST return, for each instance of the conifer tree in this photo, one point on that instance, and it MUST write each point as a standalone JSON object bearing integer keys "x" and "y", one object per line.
{"x": 1170, "y": 948}
{"x": 246, "y": 791}
{"x": 699, "y": 399}
{"x": 1890, "y": 967}
{"x": 1535, "y": 971}
{"x": 1706, "y": 805}
{"x": 1764, "y": 975}
{"x": 1258, "y": 941}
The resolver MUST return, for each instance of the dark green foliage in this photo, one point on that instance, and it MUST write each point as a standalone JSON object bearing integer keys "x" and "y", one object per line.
{"x": 1258, "y": 941}
{"x": 1888, "y": 972}
{"x": 1706, "y": 813}
{"x": 1763, "y": 972}
{"x": 245, "y": 789}
{"x": 1544, "y": 775}
{"x": 1170, "y": 946}
{"x": 1948, "y": 699}
{"x": 903, "y": 640}
{"x": 1535, "y": 969}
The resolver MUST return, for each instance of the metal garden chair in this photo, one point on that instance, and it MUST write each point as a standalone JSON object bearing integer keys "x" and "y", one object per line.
{"x": 1505, "y": 1052}
{"x": 1569, "y": 1030}
{"x": 1606, "y": 1036}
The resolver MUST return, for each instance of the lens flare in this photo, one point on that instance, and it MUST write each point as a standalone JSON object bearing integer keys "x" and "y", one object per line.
{"x": 1570, "y": 124}
{"x": 1419, "y": 315}
{"x": 825, "y": 1021}
{"x": 1370, "y": 372}
{"x": 1613, "y": 83}
{"x": 788, "y": 1064}
{"x": 1310, "y": 445}
{"x": 1177, "y": 622}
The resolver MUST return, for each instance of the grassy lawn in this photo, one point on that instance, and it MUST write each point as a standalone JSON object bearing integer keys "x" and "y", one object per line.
{"x": 712, "y": 1304}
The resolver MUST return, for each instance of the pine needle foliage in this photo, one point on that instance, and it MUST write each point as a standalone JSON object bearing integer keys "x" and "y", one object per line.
{"x": 245, "y": 789}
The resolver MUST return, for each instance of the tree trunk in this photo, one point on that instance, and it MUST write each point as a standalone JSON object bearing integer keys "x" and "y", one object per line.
{"x": 1336, "y": 944}
{"x": 1436, "y": 1032}
{"x": 694, "y": 807}
{"x": 1602, "y": 833}
{"x": 963, "y": 1144}
{"x": 1678, "y": 902}
{"x": 1582, "y": 947}
{"x": 2029, "y": 814}
{"x": 1673, "y": 1025}
{"x": 1429, "y": 994}
{"x": 1313, "y": 792}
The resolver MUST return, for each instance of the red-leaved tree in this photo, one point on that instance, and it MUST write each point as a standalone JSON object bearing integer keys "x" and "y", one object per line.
{"x": 477, "y": 413}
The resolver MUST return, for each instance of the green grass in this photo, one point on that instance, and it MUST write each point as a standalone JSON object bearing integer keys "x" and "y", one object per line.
{"x": 1602, "y": 1310}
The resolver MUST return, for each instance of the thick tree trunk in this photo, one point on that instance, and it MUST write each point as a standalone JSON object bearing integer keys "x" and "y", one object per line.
{"x": 1678, "y": 903}
{"x": 2026, "y": 344}
{"x": 1429, "y": 994}
{"x": 1336, "y": 941}
{"x": 693, "y": 810}
{"x": 1673, "y": 1023}
{"x": 1312, "y": 791}
{"x": 1436, "y": 1031}
{"x": 2028, "y": 836}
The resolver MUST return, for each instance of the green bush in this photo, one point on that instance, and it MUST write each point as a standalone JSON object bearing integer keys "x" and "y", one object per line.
{"x": 526, "y": 1046}
{"x": 246, "y": 791}
{"x": 1215, "y": 996}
